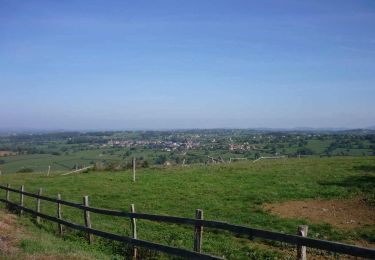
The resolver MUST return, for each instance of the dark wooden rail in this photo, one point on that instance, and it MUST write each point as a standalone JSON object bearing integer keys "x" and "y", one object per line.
{"x": 252, "y": 232}
{"x": 136, "y": 242}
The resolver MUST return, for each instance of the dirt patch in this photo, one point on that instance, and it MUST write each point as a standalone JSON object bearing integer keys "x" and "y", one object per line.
{"x": 345, "y": 214}
{"x": 56, "y": 257}
{"x": 12, "y": 232}
{"x": 8, "y": 239}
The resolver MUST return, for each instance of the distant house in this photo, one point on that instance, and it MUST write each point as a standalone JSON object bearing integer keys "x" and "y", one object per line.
{"x": 7, "y": 153}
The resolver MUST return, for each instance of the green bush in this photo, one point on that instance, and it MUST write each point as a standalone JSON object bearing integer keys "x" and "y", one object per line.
{"x": 24, "y": 170}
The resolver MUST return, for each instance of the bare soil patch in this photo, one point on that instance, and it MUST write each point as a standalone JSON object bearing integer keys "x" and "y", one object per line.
{"x": 344, "y": 214}
{"x": 8, "y": 234}
{"x": 56, "y": 257}
{"x": 12, "y": 232}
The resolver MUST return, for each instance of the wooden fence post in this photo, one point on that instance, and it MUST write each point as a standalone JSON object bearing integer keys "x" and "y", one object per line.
{"x": 301, "y": 250}
{"x": 134, "y": 230}
{"x": 7, "y": 195}
{"x": 86, "y": 215}
{"x": 60, "y": 226}
{"x": 38, "y": 205}
{"x": 21, "y": 199}
{"x": 198, "y": 232}
{"x": 133, "y": 169}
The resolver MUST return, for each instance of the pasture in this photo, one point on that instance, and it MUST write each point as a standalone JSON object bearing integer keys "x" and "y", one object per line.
{"x": 235, "y": 193}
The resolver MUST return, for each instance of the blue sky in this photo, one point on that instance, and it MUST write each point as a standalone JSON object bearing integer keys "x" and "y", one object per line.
{"x": 186, "y": 64}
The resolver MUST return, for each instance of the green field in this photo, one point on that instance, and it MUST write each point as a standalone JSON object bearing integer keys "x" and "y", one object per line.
{"x": 226, "y": 192}
{"x": 64, "y": 151}
{"x": 64, "y": 162}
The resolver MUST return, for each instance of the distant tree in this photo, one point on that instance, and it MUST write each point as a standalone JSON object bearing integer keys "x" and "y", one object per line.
{"x": 25, "y": 170}
{"x": 177, "y": 159}
{"x": 304, "y": 151}
{"x": 145, "y": 164}
{"x": 111, "y": 166}
{"x": 161, "y": 159}
{"x": 328, "y": 152}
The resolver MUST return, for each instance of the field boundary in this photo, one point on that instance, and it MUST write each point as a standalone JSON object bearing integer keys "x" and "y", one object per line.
{"x": 299, "y": 240}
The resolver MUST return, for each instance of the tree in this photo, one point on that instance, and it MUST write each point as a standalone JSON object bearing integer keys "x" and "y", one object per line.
{"x": 304, "y": 151}
{"x": 161, "y": 159}
{"x": 25, "y": 170}
{"x": 145, "y": 164}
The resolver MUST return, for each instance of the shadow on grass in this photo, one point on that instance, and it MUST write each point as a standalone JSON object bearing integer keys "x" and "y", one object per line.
{"x": 365, "y": 183}
{"x": 365, "y": 168}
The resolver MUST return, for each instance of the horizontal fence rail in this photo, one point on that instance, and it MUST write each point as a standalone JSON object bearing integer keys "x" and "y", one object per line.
{"x": 136, "y": 242}
{"x": 252, "y": 232}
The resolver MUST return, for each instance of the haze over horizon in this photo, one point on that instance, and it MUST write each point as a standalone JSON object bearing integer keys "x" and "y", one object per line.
{"x": 187, "y": 64}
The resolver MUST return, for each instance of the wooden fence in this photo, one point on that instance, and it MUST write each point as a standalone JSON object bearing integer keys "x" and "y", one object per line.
{"x": 198, "y": 223}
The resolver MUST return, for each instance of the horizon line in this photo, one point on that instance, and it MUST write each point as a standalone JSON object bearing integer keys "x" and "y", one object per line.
{"x": 288, "y": 129}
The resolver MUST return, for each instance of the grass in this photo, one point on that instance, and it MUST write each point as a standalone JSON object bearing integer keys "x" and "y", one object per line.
{"x": 22, "y": 239}
{"x": 226, "y": 192}
{"x": 318, "y": 146}
{"x": 65, "y": 162}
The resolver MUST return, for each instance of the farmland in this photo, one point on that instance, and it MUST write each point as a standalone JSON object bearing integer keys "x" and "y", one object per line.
{"x": 63, "y": 151}
{"x": 235, "y": 193}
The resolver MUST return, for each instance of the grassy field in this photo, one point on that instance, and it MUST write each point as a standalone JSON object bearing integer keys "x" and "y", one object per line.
{"x": 66, "y": 162}
{"x": 22, "y": 239}
{"x": 227, "y": 192}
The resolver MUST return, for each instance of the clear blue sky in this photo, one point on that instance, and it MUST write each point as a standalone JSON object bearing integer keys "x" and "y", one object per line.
{"x": 186, "y": 64}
